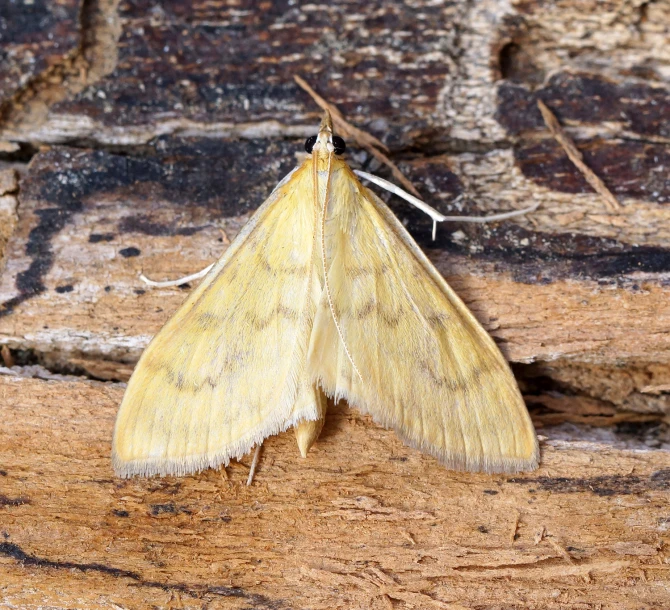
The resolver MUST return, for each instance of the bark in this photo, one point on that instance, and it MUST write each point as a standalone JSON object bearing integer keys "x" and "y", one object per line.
{"x": 140, "y": 136}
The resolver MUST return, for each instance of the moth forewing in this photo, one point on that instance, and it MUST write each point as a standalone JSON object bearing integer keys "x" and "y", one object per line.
{"x": 430, "y": 371}
{"x": 228, "y": 369}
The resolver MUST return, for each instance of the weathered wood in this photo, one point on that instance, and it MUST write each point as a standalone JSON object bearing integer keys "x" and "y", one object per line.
{"x": 363, "y": 522}
{"x": 33, "y": 38}
{"x": 146, "y": 141}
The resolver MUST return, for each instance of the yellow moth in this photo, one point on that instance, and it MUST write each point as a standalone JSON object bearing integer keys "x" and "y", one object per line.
{"x": 323, "y": 293}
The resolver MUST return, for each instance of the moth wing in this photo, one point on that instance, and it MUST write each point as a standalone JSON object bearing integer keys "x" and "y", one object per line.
{"x": 429, "y": 370}
{"x": 227, "y": 370}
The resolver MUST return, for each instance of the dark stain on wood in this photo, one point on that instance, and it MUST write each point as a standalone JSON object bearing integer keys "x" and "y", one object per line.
{"x": 228, "y": 178}
{"x": 216, "y": 62}
{"x": 29, "y": 283}
{"x": 162, "y": 509}
{"x": 142, "y": 223}
{"x": 19, "y": 501}
{"x": 96, "y": 238}
{"x": 613, "y": 485}
{"x": 130, "y": 252}
{"x": 168, "y": 487}
{"x": 434, "y": 179}
{"x": 629, "y": 168}
{"x": 539, "y": 257}
{"x": 589, "y": 99}
{"x": 14, "y": 551}
{"x": 169, "y": 508}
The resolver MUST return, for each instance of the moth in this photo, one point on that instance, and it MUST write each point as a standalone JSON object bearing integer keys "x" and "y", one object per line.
{"x": 322, "y": 294}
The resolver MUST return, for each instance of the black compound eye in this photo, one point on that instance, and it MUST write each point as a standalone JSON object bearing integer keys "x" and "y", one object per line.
{"x": 339, "y": 145}
{"x": 309, "y": 143}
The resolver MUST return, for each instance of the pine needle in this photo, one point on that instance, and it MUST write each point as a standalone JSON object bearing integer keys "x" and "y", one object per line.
{"x": 576, "y": 157}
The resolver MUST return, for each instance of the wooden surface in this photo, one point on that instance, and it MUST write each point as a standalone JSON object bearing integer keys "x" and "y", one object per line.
{"x": 363, "y": 522}
{"x": 140, "y": 135}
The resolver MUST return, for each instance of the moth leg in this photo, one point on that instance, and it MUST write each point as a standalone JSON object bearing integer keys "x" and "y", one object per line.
{"x": 254, "y": 463}
{"x": 432, "y": 212}
{"x": 177, "y": 282}
{"x": 306, "y": 432}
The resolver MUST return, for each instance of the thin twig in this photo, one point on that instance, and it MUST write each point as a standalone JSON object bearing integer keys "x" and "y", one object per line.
{"x": 254, "y": 463}
{"x": 363, "y": 139}
{"x": 576, "y": 157}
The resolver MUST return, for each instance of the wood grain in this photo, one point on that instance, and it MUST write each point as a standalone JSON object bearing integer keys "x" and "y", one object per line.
{"x": 362, "y": 519}
{"x": 142, "y": 134}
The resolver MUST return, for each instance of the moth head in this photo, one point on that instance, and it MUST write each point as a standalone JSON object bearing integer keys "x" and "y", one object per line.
{"x": 325, "y": 143}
